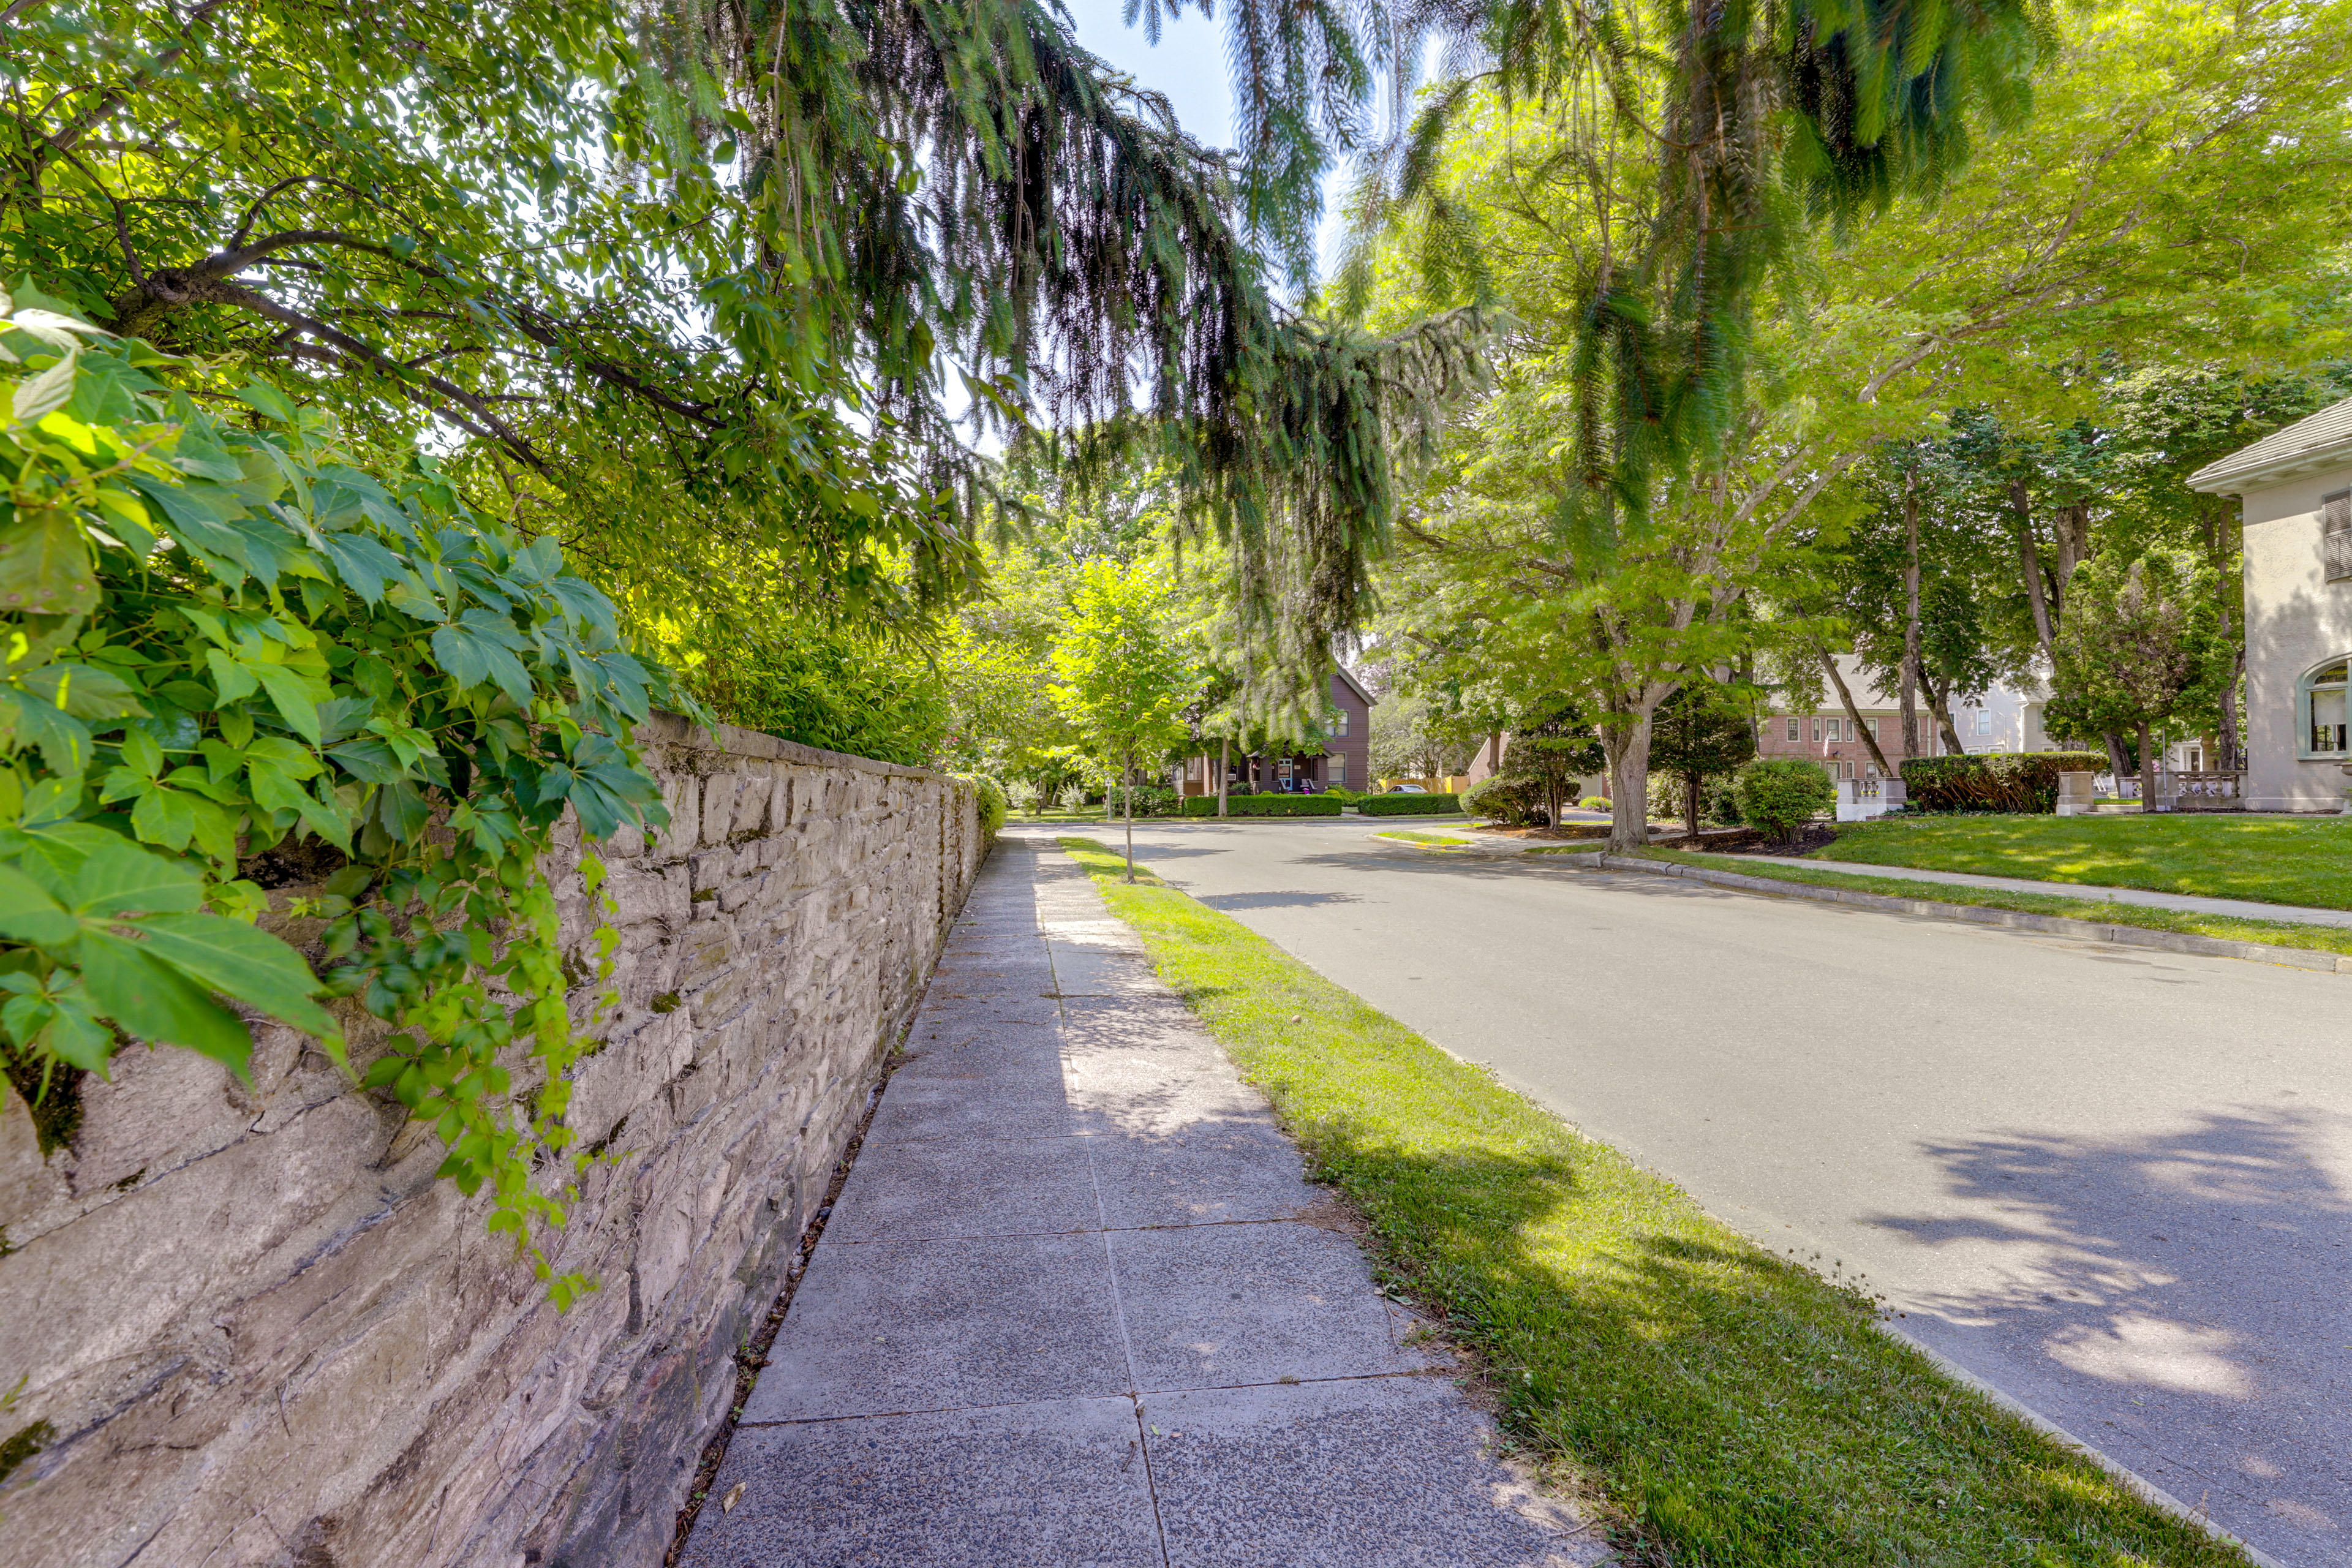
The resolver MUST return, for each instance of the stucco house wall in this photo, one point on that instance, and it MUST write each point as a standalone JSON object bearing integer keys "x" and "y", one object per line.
{"x": 2296, "y": 620}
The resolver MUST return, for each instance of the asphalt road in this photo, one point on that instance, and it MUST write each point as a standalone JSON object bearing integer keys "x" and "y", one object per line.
{"x": 2118, "y": 1186}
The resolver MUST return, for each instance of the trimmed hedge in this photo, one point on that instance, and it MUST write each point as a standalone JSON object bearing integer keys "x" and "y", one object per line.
{"x": 1999, "y": 781}
{"x": 1410, "y": 804}
{"x": 1264, "y": 805}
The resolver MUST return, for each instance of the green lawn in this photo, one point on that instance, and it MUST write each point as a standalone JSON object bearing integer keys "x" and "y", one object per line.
{"x": 2278, "y": 933}
{"x": 1435, "y": 840}
{"x": 2278, "y": 859}
{"x": 1735, "y": 1406}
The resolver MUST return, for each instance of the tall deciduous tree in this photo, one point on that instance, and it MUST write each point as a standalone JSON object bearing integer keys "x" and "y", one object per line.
{"x": 2159, "y": 201}
{"x": 1123, "y": 677}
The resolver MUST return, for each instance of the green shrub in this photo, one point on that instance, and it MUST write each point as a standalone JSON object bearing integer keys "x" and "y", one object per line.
{"x": 993, "y": 803}
{"x": 1778, "y": 795}
{"x": 1594, "y": 803}
{"x": 1999, "y": 781}
{"x": 1151, "y": 800}
{"x": 1510, "y": 800}
{"x": 1264, "y": 805}
{"x": 1410, "y": 804}
{"x": 1343, "y": 795}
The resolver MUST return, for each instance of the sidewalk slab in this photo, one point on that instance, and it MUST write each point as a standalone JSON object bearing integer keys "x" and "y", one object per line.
{"x": 1054, "y": 1485}
{"x": 2189, "y": 903}
{"x": 1387, "y": 1471}
{"x": 1074, "y": 1247}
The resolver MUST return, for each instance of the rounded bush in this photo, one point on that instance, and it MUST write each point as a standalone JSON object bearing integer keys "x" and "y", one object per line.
{"x": 1508, "y": 801}
{"x": 1778, "y": 795}
{"x": 1594, "y": 803}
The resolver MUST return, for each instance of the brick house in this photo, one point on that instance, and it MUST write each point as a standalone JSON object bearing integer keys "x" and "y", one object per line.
{"x": 2002, "y": 719}
{"x": 1344, "y": 759}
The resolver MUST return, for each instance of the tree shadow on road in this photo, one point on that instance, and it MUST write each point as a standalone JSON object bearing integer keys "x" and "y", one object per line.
{"x": 2172, "y": 1282}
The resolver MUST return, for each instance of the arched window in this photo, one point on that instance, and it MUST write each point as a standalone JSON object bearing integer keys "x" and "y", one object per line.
{"x": 2322, "y": 701}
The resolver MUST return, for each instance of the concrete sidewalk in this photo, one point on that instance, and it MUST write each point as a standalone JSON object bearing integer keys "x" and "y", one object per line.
{"x": 2236, "y": 909}
{"x": 1077, "y": 1304}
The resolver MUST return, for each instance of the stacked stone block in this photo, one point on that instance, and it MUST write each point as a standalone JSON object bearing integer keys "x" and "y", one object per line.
{"x": 252, "y": 1327}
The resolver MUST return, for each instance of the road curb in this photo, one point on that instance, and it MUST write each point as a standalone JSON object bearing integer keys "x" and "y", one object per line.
{"x": 2147, "y": 1490}
{"x": 1977, "y": 914}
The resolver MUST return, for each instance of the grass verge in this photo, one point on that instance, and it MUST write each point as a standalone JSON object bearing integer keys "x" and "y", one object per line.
{"x": 1740, "y": 1408}
{"x": 2272, "y": 860}
{"x": 1435, "y": 840}
{"x": 2277, "y": 934}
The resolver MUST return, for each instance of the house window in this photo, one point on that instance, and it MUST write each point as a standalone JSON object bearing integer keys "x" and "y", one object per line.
{"x": 1338, "y": 768}
{"x": 1984, "y": 720}
{"x": 2335, "y": 535}
{"x": 1340, "y": 726}
{"x": 1817, "y": 731}
{"x": 1793, "y": 731}
{"x": 2323, "y": 710}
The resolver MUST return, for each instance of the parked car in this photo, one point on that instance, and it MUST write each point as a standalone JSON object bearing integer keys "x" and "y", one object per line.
{"x": 1406, "y": 789}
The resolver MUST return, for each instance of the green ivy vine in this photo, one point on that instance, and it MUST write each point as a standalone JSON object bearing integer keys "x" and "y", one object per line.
{"x": 224, "y": 640}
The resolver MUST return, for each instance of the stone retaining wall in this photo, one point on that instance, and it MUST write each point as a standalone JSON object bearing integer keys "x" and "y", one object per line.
{"x": 252, "y": 1327}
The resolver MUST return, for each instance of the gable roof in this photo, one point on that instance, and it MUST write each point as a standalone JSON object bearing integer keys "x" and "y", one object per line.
{"x": 1340, "y": 672}
{"x": 2322, "y": 440}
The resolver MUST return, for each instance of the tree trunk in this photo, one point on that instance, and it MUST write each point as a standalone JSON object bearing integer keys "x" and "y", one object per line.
{"x": 2147, "y": 773}
{"x": 2046, "y": 625}
{"x": 1910, "y": 615}
{"x": 2115, "y": 764}
{"x": 2071, "y": 525}
{"x": 1628, "y": 749}
{"x": 1128, "y": 773}
{"x": 1690, "y": 809}
{"x": 2230, "y": 753}
{"x": 1854, "y": 714}
{"x": 1938, "y": 706}
{"x": 1224, "y": 765}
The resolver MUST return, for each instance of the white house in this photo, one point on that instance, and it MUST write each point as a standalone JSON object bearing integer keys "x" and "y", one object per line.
{"x": 2295, "y": 491}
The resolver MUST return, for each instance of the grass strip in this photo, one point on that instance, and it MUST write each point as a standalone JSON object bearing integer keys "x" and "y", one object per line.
{"x": 2303, "y": 861}
{"x": 2277, "y": 934}
{"x": 1437, "y": 840}
{"x": 1739, "y": 1408}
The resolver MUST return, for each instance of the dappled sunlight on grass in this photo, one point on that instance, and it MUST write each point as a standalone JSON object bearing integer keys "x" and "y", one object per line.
{"x": 1739, "y": 1407}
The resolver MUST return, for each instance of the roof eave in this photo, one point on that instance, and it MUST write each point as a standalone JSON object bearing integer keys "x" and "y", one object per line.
{"x": 2221, "y": 479}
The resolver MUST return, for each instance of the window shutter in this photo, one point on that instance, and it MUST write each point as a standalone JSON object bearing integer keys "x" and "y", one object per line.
{"x": 2335, "y": 512}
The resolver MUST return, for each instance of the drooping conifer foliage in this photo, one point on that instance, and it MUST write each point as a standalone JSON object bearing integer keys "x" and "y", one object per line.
{"x": 705, "y": 290}
{"x": 959, "y": 191}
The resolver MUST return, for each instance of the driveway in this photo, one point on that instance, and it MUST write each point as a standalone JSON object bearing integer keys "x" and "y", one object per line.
{"x": 2116, "y": 1186}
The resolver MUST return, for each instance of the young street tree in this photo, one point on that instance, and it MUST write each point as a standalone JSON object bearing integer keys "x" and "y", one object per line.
{"x": 1124, "y": 678}
{"x": 1700, "y": 732}
{"x": 2137, "y": 649}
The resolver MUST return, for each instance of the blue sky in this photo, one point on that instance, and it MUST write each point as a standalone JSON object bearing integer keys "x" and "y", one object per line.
{"x": 1188, "y": 64}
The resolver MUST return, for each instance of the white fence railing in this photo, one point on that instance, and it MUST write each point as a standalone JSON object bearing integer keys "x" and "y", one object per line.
{"x": 1859, "y": 800}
